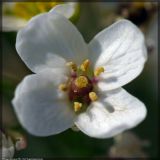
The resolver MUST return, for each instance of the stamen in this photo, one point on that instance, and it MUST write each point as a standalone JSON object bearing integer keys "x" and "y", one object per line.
{"x": 98, "y": 71}
{"x": 84, "y": 66}
{"x": 93, "y": 96}
{"x": 63, "y": 87}
{"x": 72, "y": 65}
{"x": 81, "y": 82}
{"x": 80, "y": 85}
{"x": 77, "y": 106}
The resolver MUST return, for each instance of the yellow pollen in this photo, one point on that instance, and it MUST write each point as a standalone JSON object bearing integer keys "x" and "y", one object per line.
{"x": 98, "y": 71}
{"x": 93, "y": 96}
{"x": 72, "y": 65}
{"x": 77, "y": 106}
{"x": 84, "y": 66}
{"x": 63, "y": 87}
{"x": 81, "y": 82}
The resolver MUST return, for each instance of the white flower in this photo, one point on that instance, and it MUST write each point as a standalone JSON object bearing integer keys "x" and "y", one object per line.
{"x": 20, "y": 143}
{"x": 128, "y": 145}
{"x": 7, "y": 147}
{"x": 87, "y": 92}
{"x": 16, "y": 14}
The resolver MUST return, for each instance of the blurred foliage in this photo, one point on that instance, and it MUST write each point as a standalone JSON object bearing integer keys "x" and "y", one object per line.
{"x": 94, "y": 17}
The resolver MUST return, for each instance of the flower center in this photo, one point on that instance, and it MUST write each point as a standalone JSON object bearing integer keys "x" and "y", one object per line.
{"x": 81, "y": 85}
{"x": 79, "y": 89}
{"x": 81, "y": 82}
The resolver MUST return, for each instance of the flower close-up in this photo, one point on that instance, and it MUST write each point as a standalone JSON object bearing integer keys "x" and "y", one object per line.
{"x": 75, "y": 83}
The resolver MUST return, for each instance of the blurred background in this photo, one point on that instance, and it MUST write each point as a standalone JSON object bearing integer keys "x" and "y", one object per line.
{"x": 141, "y": 141}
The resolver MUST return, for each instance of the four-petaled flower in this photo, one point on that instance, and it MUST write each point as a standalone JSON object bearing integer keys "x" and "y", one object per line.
{"x": 75, "y": 83}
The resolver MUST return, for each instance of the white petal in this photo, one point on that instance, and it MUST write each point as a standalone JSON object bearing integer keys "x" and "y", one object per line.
{"x": 11, "y": 23}
{"x": 66, "y": 9}
{"x": 8, "y": 153}
{"x": 112, "y": 114}
{"x": 121, "y": 50}
{"x": 7, "y": 149}
{"x": 40, "y": 107}
{"x": 46, "y": 35}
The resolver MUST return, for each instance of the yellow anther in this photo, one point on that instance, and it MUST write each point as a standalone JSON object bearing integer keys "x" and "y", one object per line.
{"x": 81, "y": 82}
{"x": 98, "y": 71}
{"x": 72, "y": 65}
{"x": 77, "y": 106}
{"x": 93, "y": 96}
{"x": 63, "y": 87}
{"x": 84, "y": 66}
